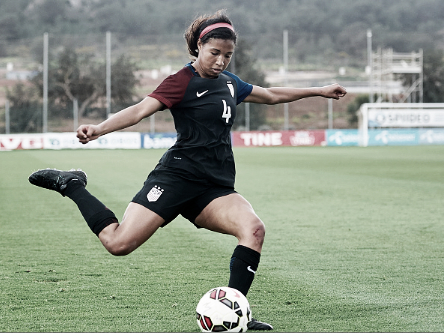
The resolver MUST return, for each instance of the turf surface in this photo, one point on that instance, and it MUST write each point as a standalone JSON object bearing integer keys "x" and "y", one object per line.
{"x": 354, "y": 243}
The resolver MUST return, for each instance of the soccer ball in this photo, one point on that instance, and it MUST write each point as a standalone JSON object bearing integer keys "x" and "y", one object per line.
{"x": 223, "y": 309}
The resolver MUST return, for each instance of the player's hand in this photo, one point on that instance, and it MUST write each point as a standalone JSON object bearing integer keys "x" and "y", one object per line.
{"x": 334, "y": 91}
{"x": 87, "y": 133}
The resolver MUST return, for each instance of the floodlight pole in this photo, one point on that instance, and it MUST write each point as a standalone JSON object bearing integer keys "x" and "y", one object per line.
{"x": 7, "y": 119}
{"x": 421, "y": 77}
{"x": 108, "y": 74}
{"x": 286, "y": 77}
{"x": 247, "y": 116}
{"x": 45, "y": 82}
{"x": 152, "y": 124}
{"x": 330, "y": 113}
{"x": 370, "y": 64}
{"x": 75, "y": 111}
{"x": 247, "y": 105}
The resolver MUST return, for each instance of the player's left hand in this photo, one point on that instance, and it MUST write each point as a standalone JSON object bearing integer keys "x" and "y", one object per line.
{"x": 334, "y": 91}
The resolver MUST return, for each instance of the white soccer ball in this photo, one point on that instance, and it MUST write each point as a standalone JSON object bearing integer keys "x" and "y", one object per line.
{"x": 223, "y": 309}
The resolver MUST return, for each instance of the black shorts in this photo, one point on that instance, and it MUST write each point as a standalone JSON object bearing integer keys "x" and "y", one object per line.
{"x": 168, "y": 193}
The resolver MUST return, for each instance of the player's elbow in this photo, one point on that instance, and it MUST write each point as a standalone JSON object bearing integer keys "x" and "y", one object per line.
{"x": 273, "y": 101}
{"x": 262, "y": 95}
{"x": 271, "y": 98}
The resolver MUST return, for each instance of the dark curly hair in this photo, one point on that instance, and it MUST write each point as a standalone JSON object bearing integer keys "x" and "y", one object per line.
{"x": 199, "y": 24}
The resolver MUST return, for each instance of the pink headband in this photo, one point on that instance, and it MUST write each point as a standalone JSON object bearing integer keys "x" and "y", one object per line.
{"x": 215, "y": 26}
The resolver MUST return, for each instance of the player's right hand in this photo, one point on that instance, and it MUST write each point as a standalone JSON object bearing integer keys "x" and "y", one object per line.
{"x": 87, "y": 133}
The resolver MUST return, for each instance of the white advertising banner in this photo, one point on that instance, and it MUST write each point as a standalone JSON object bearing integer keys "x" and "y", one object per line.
{"x": 158, "y": 140}
{"x": 405, "y": 118}
{"x": 116, "y": 140}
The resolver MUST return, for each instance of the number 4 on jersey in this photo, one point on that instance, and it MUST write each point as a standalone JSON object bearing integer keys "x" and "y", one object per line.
{"x": 227, "y": 112}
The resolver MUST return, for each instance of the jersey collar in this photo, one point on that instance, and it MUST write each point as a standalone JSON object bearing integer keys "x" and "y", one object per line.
{"x": 193, "y": 70}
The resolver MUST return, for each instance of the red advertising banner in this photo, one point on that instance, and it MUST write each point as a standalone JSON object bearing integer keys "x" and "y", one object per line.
{"x": 278, "y": 138}
{"x": 21, "y": 141}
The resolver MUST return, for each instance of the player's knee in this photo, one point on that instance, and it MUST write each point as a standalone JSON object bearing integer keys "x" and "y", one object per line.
{"x": 256, "y": 231}
{"x": 259, "y": 231}
{"x": 119, "y": 249}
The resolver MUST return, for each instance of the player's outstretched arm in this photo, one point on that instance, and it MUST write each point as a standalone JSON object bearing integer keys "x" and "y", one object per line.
{"x": 122, "y": 119}
{"x": 276, "y": 95}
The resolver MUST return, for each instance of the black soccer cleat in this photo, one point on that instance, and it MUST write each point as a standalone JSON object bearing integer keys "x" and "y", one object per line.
{"x": 256, "y": 325}
{"x": 57, "y": 180}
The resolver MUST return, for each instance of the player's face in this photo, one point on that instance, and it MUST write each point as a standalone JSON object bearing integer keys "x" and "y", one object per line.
{"x": 214, "y": 57}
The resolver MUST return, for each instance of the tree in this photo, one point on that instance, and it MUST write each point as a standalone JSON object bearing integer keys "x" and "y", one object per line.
{"x": 12, "y": 19}
{"x": 123, "y": 81}
{"x": 72, "y": 78}
{"x": 79, "y": 77}
{"x": 433, "y": 83}
{"x": 433, "y": 76}
{"x": 245, "y": 68}
{"x": 354, "y": 106}
{"x": 50, "y": 11}
{"x": 25, "y": 109}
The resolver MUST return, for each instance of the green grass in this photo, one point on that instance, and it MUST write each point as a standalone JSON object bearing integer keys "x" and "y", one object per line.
{"x": 354, "y": 243}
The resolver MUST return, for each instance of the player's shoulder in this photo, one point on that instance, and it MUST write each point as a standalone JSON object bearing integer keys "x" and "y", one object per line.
{"x": 229, "y": 76}
{"x": 177, "y": 81}
{"x": 235, "y": 78}
{"x": 243, "y": 88}
{"x": 173, "y": 88}
{"x": 227, "y": 73}
{"x": 184, "y": 75}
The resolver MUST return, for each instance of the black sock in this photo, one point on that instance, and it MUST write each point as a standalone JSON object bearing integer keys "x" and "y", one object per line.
{"x": 95, "y": 213}
{"x": 243, "y": 266}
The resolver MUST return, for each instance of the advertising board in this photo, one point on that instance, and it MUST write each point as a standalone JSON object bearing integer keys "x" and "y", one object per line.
{"x": 21, "y": 141}
{"x": 393, "y": 137}
{"x": 344, "y": 137}
{"x": 431, "y": 136}
{"x": 405, "y": 118}
{"x": 157, "y": 140}
{"x": 135, "y": 140}
{"x": 116, "y": 140}
{"x": 278, "y": 138}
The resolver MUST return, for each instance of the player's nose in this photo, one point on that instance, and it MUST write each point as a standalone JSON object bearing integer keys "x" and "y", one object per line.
{"x": 220, "y": 60}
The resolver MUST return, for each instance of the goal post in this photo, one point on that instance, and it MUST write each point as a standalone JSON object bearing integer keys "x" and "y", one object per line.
{"x": 398, "y": 115}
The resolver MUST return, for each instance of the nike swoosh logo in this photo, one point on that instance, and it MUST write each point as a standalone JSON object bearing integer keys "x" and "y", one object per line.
{"x": 198, "y": 94}
{"x": 251, "y": 270}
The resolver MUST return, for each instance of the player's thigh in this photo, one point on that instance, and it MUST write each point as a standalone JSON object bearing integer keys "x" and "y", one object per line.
{"x": 231, "y": 214}
{"x": 137, "y": 226}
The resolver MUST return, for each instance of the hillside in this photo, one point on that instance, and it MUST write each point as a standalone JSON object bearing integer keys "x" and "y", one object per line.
{"x": 320, "y": 32}
{"x": 324, "y": 36}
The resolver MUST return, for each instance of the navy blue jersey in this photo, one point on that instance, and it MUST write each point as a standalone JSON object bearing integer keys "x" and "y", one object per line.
{"x": 203, "y": 111}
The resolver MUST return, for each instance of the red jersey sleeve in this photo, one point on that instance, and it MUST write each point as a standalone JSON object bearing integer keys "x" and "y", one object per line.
{"x": 172, "y": 89}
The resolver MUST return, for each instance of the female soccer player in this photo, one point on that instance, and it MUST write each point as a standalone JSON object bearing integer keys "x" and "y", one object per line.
{"x": 195, "y": 177}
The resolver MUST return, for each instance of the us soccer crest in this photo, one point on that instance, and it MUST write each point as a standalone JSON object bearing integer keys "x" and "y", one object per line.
{"x": 154, "y": 193}
{"x": 231, "y": 88}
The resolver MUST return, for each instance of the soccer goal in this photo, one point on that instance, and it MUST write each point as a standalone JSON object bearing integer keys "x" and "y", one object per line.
{"x": 398, "y": 115}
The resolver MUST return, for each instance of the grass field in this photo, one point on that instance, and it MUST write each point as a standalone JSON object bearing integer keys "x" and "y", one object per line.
{"x": 354, "y": 243}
